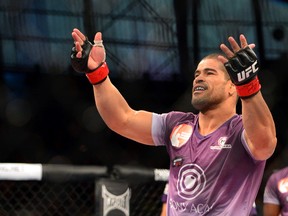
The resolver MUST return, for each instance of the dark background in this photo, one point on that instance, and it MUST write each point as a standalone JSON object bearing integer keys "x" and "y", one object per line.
{"x": 47, "y": 111}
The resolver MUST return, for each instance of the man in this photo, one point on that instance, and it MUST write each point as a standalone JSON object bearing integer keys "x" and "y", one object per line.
{"x": 276, "y": 194}
{"x": 217, "y": 157}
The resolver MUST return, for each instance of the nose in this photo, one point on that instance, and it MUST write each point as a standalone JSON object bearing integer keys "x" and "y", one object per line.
{"x": 198, "y": 79}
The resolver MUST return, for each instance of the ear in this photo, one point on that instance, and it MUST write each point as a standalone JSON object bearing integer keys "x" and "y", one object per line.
{"x": 232, "y": 88}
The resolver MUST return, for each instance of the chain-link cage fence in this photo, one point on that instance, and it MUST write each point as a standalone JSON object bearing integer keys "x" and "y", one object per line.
{"x": 74, "y": 196}
{"x": 35, "y": 198}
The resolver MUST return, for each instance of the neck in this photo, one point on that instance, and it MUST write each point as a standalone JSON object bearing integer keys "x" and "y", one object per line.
{"x": 210, "y": 120}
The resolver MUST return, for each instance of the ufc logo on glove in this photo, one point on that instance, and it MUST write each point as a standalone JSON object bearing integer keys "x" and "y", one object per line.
{"x": 246, "y": 73}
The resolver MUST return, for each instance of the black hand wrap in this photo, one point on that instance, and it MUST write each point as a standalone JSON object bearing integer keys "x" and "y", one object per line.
{"x": 243, "y": 69}
{"x": 80, "y": 64}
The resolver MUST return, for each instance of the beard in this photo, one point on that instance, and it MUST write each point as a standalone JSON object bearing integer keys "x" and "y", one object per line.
{"x": 204, "y": 103}
{"x": 200, "y": 104}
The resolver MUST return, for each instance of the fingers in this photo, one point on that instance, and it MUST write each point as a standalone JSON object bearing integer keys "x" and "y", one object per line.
{"x": 98, "y": 42}
{"x": 222, "y": 59}
{"x": 79, "y": 39}
{"x": 79, "y": 36}
{"x": 243, "y": 41}
{"x": 252, "y": 46}
{"x": 235, "y": 47}
{"x": 79, "y": 50}
{"x": 98, "y": 36}
{"x": 227, "y": 51}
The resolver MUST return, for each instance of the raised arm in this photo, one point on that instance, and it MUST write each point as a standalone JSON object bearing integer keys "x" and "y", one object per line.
{"x": 260, "y": 132}
{"x": 118, "y": 115}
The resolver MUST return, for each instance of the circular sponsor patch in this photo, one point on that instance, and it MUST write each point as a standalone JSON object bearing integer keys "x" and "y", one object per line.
{"x": 191, "y": 181}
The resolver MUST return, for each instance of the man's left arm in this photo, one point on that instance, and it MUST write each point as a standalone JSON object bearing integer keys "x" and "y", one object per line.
{"x": 242, "y": 66}
{"x": 260, "y": 132}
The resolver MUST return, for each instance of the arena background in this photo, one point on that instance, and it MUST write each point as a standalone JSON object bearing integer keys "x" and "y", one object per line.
{"x": 47, "y": 110}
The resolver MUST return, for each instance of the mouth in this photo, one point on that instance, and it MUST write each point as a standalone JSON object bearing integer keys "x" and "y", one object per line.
{"x": 199, "y": 89}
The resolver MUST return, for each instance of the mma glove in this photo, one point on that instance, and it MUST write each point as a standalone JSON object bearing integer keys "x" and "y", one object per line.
{"x": 242, "y": 69}
{"x": 95, "y": 76}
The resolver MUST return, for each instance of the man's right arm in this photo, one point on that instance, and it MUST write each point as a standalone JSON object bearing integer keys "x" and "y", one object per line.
{"x": 90, "y": 59}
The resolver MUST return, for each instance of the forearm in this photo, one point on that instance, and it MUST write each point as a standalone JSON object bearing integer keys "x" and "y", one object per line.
{"x": 111, "y": 105}
{"x": 259, "y": 126}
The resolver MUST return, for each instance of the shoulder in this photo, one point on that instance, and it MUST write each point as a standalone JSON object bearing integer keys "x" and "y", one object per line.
{"x": 235, "y": 120}
{"x": 175, "y": 117}
{"x": 235, "y": 124}
{"x": 181, "y": 116}
{"x": 163, "y": 124}
{"x": 277, "y": 175}
{"x": 283, "y": 172}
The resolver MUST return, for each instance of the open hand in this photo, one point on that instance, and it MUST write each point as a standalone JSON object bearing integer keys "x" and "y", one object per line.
{"x": 97, "y": 54}
{"x": 235, "y": 47}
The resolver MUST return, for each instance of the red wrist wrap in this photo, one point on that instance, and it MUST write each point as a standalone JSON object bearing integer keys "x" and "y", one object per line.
{"x": 249, "y": 89}
{"x": 99, "y": 74}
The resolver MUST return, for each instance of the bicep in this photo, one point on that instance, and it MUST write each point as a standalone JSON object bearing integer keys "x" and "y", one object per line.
{"x": 138, "y": 127}
{"x": 258, "y": 152}
{"x": 270, "y": 209}
{"x": 258, "y": 122}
